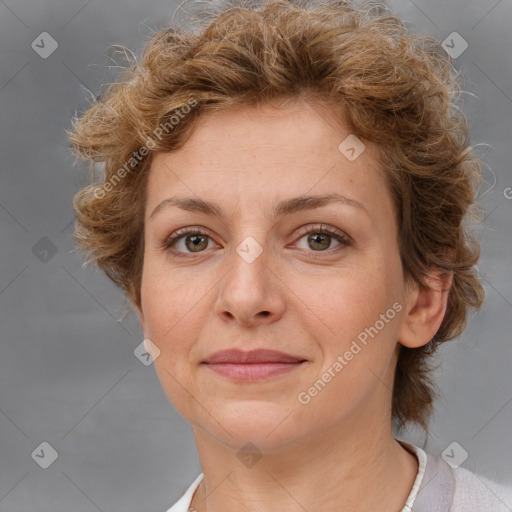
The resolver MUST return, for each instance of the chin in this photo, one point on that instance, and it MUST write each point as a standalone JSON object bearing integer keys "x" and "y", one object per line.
{"x": 269, "y": 426}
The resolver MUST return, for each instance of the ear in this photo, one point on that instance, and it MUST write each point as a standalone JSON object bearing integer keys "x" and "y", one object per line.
{"x": 425, "y": 309}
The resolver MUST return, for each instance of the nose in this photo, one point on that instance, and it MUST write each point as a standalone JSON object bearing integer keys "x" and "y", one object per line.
{"x": 251, "y": 292}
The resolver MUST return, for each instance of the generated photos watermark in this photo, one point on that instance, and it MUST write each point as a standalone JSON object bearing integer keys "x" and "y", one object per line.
{"x": 143, "y": 151}
{"x": 334, "y": 369}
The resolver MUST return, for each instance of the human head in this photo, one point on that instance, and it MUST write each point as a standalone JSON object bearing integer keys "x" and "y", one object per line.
{"x": 392, "y": 89}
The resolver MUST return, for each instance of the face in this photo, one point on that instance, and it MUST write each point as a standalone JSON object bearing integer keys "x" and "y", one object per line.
{"x": 318, "y": 280}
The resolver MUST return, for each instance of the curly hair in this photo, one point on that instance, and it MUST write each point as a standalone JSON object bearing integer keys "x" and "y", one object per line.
{"x": 386, "y": 84}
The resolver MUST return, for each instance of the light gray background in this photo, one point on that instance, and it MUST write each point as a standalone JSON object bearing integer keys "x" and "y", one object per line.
{"x": 68, "y": 374}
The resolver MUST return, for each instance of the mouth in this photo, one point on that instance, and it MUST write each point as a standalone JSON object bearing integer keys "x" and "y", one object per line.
{"x": 252, "y": 366}
{"x": 252, "y": 372}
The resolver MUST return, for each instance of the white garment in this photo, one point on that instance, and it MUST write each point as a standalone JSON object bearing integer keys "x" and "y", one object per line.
{"x": 437, "y": 488}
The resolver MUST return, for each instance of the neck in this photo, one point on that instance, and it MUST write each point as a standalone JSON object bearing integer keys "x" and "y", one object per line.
{"x": 344, "y": 470}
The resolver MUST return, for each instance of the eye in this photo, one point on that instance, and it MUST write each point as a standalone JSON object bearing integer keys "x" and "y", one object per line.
{"x": 195, "y": 240}
{"x": 319, "y": 238}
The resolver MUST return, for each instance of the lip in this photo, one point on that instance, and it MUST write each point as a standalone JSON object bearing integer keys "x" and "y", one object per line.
{"x": 252, "y": 366}
{"x": 236, "y": 356}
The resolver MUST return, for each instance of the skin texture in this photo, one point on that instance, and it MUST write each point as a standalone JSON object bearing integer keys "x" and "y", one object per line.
{"x": 247, "y": 160}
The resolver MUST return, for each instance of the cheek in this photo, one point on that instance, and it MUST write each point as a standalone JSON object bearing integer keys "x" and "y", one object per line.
{"x": 171, "y": 315}
{"x": 170, "y": 298}
{"x": 353, "y": 300}
{"x": 355, "y": 331}
{"x": 356, "y": 319}
{"x": 173, "y": 320}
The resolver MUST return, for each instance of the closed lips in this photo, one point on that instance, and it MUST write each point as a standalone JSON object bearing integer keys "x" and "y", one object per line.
{"x": 260, "y": 356}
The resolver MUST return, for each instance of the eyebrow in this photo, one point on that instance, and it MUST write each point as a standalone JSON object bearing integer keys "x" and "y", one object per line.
{"x": 285, "y": 207}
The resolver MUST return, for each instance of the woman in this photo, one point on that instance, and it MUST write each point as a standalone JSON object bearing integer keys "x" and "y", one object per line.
{"x": 283, "y": 204}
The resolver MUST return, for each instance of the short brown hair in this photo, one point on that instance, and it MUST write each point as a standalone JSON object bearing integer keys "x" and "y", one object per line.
{"x": 387, "y": 85}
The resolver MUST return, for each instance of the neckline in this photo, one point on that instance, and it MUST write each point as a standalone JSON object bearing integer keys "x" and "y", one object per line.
{"x": 421, "y": 455}
{"x": 418, "y": 452}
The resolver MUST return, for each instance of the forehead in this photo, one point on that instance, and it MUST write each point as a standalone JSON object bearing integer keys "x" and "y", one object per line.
{"x": 265, "y": 152}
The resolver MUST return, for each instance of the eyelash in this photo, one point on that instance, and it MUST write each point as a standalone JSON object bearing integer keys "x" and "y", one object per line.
{"x": 170, "y": 241}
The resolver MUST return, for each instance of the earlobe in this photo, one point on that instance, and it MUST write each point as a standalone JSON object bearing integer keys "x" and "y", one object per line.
{"x": 425, "y": 309}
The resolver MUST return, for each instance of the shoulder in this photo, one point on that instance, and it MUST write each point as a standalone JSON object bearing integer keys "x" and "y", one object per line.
{"x": 443, "y": 488}
{"x": 474, "y": 493}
